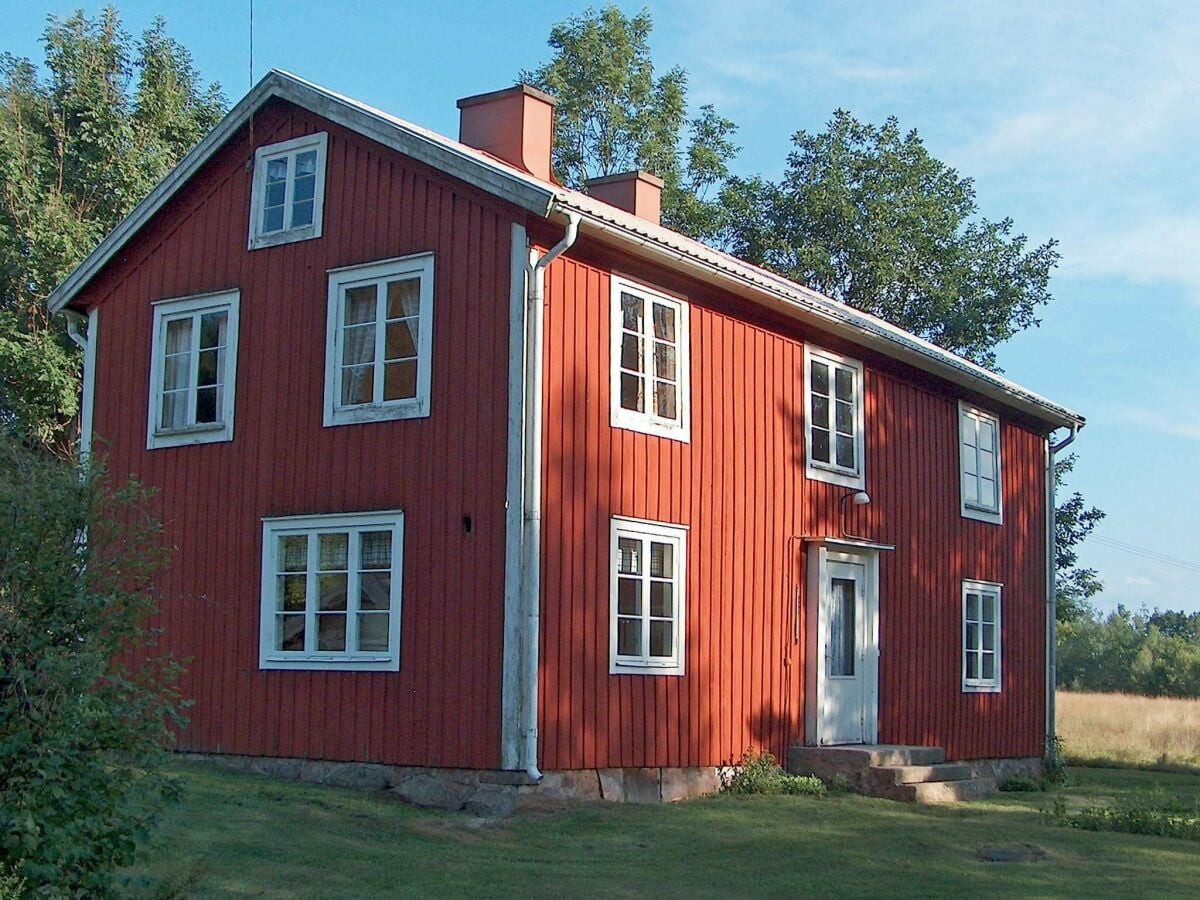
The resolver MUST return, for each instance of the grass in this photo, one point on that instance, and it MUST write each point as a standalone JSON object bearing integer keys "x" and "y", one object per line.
{"x": 1122, "y": 729}
{"x": 240, "y": 835}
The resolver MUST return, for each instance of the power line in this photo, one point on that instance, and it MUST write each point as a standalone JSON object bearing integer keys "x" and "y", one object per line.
{"x": 1145, "y": 553}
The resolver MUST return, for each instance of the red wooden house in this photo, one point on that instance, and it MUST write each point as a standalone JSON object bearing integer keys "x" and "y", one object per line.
{"x": 467, "y": 470}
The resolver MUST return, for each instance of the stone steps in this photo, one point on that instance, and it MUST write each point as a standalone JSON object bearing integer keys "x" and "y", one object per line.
{"x": 914, "y": 774}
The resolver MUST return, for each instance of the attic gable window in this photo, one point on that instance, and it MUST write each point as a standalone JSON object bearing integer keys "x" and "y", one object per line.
{"x": 649, "y": 361}
{"x": 288, "y": 193}
{"x": 979, "y": 462}
{"x": 380, "y": 341}
{"x": 192, "y": 370}
{"x": 834, "y": 419}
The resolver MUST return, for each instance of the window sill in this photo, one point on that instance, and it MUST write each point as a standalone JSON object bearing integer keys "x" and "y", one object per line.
{"x": 981, "y": 689}
{"x": 982, "y": 515}
{"x": 630, "y": 421}
{"x": 315, "y": 663}
{"x": 291, "y": 236}
{"x": 641, "y": 667}
{"x": 816, "y": 472}
{"x": 199, "y": 434}
{"x": 357, "y": 415}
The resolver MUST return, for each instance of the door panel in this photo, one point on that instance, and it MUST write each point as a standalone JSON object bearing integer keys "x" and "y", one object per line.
{"x": 843, "y": 691}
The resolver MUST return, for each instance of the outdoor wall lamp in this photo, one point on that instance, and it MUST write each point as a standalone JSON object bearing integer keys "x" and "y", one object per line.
{"x": 860, "y": 498}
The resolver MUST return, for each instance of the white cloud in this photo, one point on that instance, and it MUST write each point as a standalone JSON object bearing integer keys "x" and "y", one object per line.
{"x": 1184, "y": 423}
{"x": 1139, "y": 581}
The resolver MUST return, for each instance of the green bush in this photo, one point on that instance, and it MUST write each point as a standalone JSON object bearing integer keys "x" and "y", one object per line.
{"x": 1022, "y": 783}
{"x": 82, "y": 725}
{"x": 1155, "y": 814}
{"x": 759, "y": 773}
{"x": 12, "y": 885}
{"x": 1054, "y": 763}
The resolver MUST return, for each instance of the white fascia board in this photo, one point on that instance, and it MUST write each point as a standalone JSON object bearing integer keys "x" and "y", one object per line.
{"x": 441, "y": 153}
{"x": 643, "y": 238}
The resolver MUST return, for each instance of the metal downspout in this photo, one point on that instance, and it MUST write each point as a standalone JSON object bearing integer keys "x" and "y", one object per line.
{"x": 1052, "y": 588}
{"x": 531, "y": 532}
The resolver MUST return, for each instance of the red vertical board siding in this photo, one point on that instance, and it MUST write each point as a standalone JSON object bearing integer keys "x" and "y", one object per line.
{"x": 443, "y": 706}
{"x": 739, "y": 486}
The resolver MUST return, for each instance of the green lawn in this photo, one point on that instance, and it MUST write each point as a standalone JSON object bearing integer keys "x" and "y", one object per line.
{"x": 239, "y": 835}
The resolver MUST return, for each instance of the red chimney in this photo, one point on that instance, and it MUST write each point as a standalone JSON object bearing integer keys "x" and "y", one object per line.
{"x": 636, "y": 192}
{"x": 515, "y": 125}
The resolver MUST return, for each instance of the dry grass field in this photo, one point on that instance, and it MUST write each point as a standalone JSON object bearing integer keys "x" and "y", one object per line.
{"x": 1130, "y": 730}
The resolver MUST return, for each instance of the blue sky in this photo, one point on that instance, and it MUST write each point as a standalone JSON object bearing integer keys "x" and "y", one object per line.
{"x": 1079, "y": 121}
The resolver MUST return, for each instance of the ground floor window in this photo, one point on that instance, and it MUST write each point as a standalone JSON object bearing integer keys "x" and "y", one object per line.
{"x": 981, "y": 636}
{"x": 331, "y": 592}
{"x": 647, "y": 603}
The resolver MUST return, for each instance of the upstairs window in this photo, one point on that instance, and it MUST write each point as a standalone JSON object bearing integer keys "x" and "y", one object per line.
{"x": 380, "y": 341}
{"x": 979, "y": 457}
{"x": 331, "y": 592}
{"x": 981, "y": 637}
{"x": 647, "y": 611}
{"x": 192, "y": 370}
{"x": 288, "y": 192}
{"x": 834, "y": 421}
{"x": 649, "y": 361}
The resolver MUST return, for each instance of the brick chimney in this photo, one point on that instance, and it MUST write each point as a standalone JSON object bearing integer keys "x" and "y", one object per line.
{"x": 636, "y": 192}
{"x": 515, "y": 125}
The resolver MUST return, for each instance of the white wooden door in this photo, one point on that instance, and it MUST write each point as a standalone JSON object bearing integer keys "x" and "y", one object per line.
{"x": 844, "y": 690}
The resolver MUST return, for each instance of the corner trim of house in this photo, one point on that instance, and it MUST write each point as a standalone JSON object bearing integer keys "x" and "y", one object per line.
{"x": 510, "y": 729}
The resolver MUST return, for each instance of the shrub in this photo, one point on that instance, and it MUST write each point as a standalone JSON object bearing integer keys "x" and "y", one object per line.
{"x": 759, "y": 773}
{"x": 81, "y": 724}
{"x": 1054, "y": 763}
{"x": 1155, "y": 814}
{"x": 12, "y": 885}
{"x": 1022, "y": 783}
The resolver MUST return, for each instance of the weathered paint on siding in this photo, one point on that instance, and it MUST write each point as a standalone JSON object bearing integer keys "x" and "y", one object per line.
{"x": 443, "y": 707}
{"x": 740, "y": 487}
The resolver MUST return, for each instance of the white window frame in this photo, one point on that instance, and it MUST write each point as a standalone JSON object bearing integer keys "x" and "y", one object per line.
{"x": 830, "y": 472}
{"x": 166, "y": 311}
{"x": 661, "y": 532}
{"x": 380, "y": 410}
{"x": 969, "y": 417}
{"x": 647, "y": 422}
{"x": 348, "y": 661}
{"x": 288, "y": 149}
{"x": 982, "y": 685}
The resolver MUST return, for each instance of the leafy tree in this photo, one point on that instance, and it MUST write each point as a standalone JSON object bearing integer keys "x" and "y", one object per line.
{"x": 78, "y": 150}
{"x": 864, "y": 214}
{"x": 614, "y": 115}
{"x": 1073, "y": 522}
{"x": 81, "y": 724}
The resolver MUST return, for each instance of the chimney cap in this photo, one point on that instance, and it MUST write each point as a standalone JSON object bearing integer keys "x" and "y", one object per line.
{"x": 526, "y": 89}
{"x": 636, "y": 175}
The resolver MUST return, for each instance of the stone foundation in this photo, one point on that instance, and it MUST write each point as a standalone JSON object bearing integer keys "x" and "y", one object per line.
{"x": 481, "y": 792}
{"x": 1000, "y": 769}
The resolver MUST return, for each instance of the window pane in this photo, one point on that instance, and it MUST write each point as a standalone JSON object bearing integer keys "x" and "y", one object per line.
{"x": 845, "y": 417}
{"x": 987, "y": 493}
{"x": 176, "y": 372}
{"x": 401, "y": 340}
{"x": 631, "y": 352}
{"x": 334, "y": 550}
{"x": 373, "y": 632}
{"x": 302, "y": 189}
{"x": 820, "y": 445}
{"x": 358, "y": 385}
{"x": 972, "y": 665}
{"x": 375, "y": 550}
{"x": 972, "y": 636}
{"x": 820, "y": 411}
{"x": 179, "y": 336}
{"x": 845, "y": 451}
{"x": 629, "y": 596}
{"x": 971, "y": 489}
{"x": 174, "y": 410}
{"x": 631, "y": 312}
{"x": 664, "y": 322}
{"x": 989, "y": 666}
{"x": 276, "y": 171}
{"x": 358, "y": 345}
{"x": 289, "y": 632}
{"x": 331, "y": 632}
{"x": 631, "y": 392}
{"x": 660, "y": 638}
{"x": 987, "y": 437}
{"x": 989, "y": 608}
{"x": 292, "y": 592}
{"x": 662, "y": 560}
{"x": 843, "y": 633}
{"x": 332, "y": 590}
{"x": 403, "y": 298}
{"x": 306, "y": 163}
{"x": 629, "y": 637}
{"x": 375, "y": 590}
{"x": 400, "y": 380}
{"x": 972, "y": 607}
{"x": 208, "y": 367}
{"x": 302, "y": 213}
{"x": 293, "y": 553}
{"x": 360, "y": 304}
{"x": 664, "y": 360}
{"x": 968, "y": 431}
{"x": 820, "y": 378}
{"x": 212, "y": 329}
{"x": 989, "y": 637}
{"x": 664, "y": 400}
{"x": 206, "y": 405}
{"x": 844, "y": 383}
{"x": 629, "y": 556}
{"x": 662, "y": 599}
{"x": 272, "y": 219}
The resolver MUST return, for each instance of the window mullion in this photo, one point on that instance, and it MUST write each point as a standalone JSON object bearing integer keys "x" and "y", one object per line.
{"x": 310, "y": 594}
{"x": 193, "y": 369}
{"x": 353, "y": 559}
{"x": 288, "y": 191}
{"x": 646, "y": 587}
{"x": 380, "y": 333}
